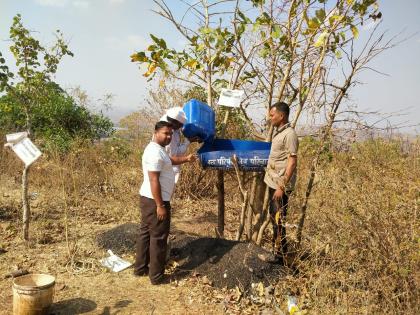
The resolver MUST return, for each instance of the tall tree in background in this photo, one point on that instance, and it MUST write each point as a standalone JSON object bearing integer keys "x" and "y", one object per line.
{"x": 272, "y": 49}
{"x": 29, "y": 85}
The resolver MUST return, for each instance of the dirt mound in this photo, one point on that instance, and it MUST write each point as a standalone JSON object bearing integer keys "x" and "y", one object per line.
{"x": 121, "y": 239}
{"x": 225, "y": 263}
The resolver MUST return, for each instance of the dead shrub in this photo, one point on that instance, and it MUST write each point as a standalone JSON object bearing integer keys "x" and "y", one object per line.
{"x": 361, "y": 243}
{"x": 195, "y": 182}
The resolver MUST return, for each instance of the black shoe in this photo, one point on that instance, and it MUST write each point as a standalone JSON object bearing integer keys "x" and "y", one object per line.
{"x": 141, "y": 273}
{"x": 161, "y": 280}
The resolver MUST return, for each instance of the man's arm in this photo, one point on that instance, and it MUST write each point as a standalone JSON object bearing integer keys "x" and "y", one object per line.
{"x": 157, "y": 195}
{"x": 290, "y": 168}
{"x": 284, "y": 180}
{"x": 292, "y": 145}
{"x": 177, "y": 160}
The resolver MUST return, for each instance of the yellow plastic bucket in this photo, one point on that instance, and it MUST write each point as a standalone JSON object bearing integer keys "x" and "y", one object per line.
{"x": 33, "y": 294}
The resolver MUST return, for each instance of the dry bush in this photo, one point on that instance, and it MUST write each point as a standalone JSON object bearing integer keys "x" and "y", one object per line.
{"x": 196, "y": 183}
{"x": 96, "y": 181}
{"x": 361, "y": 239}
{"x": 362, "y": 233}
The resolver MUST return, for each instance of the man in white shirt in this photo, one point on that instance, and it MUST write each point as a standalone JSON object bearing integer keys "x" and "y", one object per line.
{"x": 177, "y": 118}
{"x": 155, "y": 195}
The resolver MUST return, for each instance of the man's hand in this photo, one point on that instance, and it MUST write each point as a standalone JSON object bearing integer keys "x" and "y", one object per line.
{"x": 191, "y": 157}
{"x": 161, "y": 212}
{"x": 278, "y": 195}
{"x": 178, "y": 160}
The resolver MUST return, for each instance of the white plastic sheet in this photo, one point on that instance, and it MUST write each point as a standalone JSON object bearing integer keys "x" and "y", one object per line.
{"x": 115, "y": 263}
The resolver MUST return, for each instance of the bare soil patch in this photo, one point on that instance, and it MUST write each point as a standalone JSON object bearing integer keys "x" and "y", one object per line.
{"x": 224, "y": 262}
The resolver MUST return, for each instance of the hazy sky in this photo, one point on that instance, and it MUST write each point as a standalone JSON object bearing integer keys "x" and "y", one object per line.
{"x": 104, "y": 33}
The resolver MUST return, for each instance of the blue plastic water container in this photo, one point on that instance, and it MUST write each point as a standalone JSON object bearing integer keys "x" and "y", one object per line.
{"x": 200, "y": 121}
{"x": 251, "y": 155}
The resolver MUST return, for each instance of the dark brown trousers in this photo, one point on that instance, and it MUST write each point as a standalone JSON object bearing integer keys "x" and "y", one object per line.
{"x": 279, "y": 241}
{"x": 152, "y": 240}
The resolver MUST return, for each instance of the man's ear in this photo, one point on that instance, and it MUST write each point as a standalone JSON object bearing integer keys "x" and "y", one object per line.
{"x": 282, "y": 115}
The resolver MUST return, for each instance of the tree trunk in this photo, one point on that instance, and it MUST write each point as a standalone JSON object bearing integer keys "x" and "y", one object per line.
{"x": 266, "y": 219}
{"x": 25, "y": 203}
{"x": 221, "y": 188}
{"x": 242, "y": 218}
{"x": 260, "y": 217}
{"x": 305, "y": 202}
{"x": 220, "y": 203}
{"x": 249, "y": 211}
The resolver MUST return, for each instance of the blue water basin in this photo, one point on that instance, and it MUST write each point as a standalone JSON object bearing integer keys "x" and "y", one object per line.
{"x": 251, "y": 155}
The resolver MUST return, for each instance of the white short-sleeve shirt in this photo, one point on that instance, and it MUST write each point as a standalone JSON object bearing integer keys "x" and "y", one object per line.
{"x": 156, "y": 159}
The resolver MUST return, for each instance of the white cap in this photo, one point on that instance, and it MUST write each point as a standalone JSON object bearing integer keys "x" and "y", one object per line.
{"x": 177, "y": 113}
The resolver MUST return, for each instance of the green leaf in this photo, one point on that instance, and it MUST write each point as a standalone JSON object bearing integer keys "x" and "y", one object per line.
{"x": 276, "y": 33}
{"x": 355, "y": 31}
{"x": 150, "y": 69}
{"x": 264, "y": 18}
{"x": 321, "y": 39}
{"x": 241, "y": 29}
{"x": 313, "y": 24}
{"x": 320, "y": 14}
{"x": 139, "y": 57}
{"x": 154, "y": 38}
{"x": 256, "y": 26}
{"x": 257, "y": 3}
{"x": 162, "y": 43}
{"x": 152, "y": 48}
{"x": 191, "y": 64}
{"x": 293, "y": 9}
{"x": 334, "y": 18}
{"x": 244, "y": 17}
{"x": 159, "y": 41}
{"x": 338, "y": 54}
{"x": 205, "y": 30}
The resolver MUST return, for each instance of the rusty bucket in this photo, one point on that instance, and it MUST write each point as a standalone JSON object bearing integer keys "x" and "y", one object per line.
{"x": 33, "y": 294}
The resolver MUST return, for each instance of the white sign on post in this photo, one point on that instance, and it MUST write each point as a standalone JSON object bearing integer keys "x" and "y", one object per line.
{"x": 23, "y": 147}
{"x": 230, "y": 98}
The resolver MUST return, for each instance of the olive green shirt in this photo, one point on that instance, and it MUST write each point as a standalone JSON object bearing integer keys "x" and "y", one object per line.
{"x": 284, "y": 144}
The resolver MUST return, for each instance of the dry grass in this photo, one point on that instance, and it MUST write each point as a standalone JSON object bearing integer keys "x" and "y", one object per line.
{"x": 361, "y": 246}
{"x": 362, "y": 232}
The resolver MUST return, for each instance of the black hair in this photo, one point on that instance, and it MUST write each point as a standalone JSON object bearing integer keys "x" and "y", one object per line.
{"x": 282, "y": 107}
{"x": 162, "y": 124}
{"x": 172, "y": 120}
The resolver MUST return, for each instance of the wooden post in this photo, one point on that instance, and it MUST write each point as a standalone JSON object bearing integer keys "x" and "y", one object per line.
{"x": 221, "y": 188}
{"x": 25, "y": 203}
{"x": 220, "y": 203}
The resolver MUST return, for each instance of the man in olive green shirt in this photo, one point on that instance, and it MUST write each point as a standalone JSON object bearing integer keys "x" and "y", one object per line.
{"x": 280, "y": 175}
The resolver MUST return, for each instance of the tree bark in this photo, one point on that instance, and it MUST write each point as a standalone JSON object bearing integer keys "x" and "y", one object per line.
{"x": 221, "y": 188}
{"x": 266, "y": 219}
{"x": 249, "y": 211}
{"x": 220, "y": 203}
{"x": 242, "y": 218}
{"x": 25, "y": 203}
